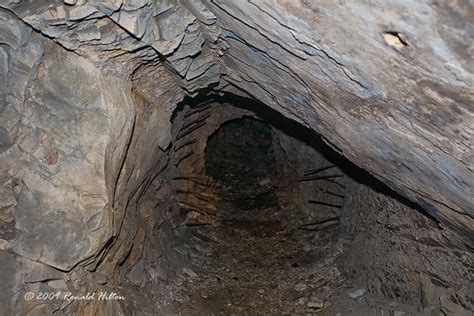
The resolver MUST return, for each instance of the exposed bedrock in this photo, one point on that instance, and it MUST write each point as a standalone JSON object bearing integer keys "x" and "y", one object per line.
{"x": 107, "y": 108}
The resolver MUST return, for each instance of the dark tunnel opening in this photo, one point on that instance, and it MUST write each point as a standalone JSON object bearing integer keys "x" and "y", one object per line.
{"x": 297, "y": 131}
{"x": 258, "y": 203}
{"x": 239, "y": 157}
{"x": 270, "y": 201}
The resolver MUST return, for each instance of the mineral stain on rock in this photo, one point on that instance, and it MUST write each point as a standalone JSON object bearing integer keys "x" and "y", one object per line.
{"x": 50, "y": 152}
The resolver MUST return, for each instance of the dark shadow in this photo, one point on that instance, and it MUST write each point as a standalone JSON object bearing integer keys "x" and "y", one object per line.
{"x": 239, "y": 155}
{"x": 309, "y": 137}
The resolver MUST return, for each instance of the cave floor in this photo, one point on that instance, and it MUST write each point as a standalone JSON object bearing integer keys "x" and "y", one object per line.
{"x": 256, "y": 263}
{"x": 262, "y": 261}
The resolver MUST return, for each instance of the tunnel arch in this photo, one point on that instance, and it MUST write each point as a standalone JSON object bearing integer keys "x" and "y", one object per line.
{"x": 325, "y": 202}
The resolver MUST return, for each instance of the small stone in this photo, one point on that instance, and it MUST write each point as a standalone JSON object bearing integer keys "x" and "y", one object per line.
{"x": 356, "y": 293}
{"x": 190, "y": 273}
{"x": 205, "y": 296}
{"x": 300, "y": 287}
{"x": 17, "y": 189}
{"x": 315, "y": 303}
{"x": 58, "y": 285}
{"x": 70, "y": 2}
{"x": 100, "y": 278}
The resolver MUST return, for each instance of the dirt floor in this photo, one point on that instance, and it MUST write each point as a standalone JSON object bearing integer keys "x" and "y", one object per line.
{"x": 265, "y": 261}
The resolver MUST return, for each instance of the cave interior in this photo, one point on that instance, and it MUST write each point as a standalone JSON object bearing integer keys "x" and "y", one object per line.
{"x": 264, "y": 217}
{"x": 231, "y": 157}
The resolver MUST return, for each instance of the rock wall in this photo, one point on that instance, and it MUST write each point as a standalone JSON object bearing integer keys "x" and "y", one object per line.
{"x": 56, "y": 127}
{"x": 398, "y": 252}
